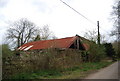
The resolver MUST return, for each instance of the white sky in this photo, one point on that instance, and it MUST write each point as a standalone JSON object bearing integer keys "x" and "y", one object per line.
{"x": 62, "y": 20}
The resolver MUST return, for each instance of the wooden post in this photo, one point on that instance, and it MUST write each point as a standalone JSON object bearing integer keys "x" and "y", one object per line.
{"x": 98, "y": 33}
{"x": 78, "y": 44}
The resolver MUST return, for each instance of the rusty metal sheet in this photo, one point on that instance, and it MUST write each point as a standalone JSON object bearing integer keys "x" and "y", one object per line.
{"x": 55, "y": 43}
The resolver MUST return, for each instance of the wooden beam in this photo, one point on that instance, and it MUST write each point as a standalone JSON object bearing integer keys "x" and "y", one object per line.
{"x": 78, "y": 45}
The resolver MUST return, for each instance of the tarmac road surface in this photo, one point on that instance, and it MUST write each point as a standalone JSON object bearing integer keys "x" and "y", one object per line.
{"x": 110, "y": 72}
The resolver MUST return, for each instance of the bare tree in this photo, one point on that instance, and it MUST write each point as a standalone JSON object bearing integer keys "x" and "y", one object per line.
{"x": 116, "y": 18}
{"x": 46, "y": 34}
{"x": 21, "y": 32}
{"x": 93, "y": 36}
{"x": 116, "y": 32}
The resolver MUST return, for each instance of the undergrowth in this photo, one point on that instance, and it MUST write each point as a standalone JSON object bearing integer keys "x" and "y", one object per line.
{"x": 51, "y": 74}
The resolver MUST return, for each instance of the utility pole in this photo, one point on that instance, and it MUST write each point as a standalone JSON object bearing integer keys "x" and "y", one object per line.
{"x": 98, "y": 41}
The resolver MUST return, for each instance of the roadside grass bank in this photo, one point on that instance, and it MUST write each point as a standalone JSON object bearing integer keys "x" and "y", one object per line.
{"x": 78, "y": 72}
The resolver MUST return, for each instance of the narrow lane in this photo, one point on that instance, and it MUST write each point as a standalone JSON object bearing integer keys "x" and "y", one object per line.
{"x": 110, "y": 72}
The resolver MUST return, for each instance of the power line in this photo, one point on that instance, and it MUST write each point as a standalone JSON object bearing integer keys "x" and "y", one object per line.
{"x": 78, "y": 12}
{"x": 81, "y": 15}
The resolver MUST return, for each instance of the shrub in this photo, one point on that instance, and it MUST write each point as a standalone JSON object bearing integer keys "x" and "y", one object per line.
{"x": 6, "y": 52}
{"x": 116, "y": 46}
{"x": 32, "y": 61}
{"x": 110, "y": 52}
{"x": 96, "y": 52}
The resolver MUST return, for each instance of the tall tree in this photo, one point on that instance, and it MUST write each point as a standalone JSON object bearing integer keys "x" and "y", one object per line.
{"x": 45, "y": 33}
{"x": 93, "y": 36}
{"x": 116, "y": 32}
{"x": 116, "y": 18}
{"x": 21, "y": 32}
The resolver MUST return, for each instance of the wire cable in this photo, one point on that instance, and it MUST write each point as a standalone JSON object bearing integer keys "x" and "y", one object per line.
{"x": 78, "y": 12}
{"x": 82, "y": 15}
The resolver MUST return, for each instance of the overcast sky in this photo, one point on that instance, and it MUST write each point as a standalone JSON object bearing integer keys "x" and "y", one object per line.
{"x": 62, "y": 20}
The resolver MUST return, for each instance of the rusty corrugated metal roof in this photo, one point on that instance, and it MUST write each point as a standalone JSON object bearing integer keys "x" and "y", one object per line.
{"x": 44, "y": 44}
{"x": 55, "y": 43}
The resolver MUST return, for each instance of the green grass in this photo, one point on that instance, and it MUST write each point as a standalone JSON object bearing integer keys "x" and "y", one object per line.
{"x": 89, "y": 66}
{"x": 38, "y": 75}
{"x": 69, "y": 73}
{"x": 83, "y": 70}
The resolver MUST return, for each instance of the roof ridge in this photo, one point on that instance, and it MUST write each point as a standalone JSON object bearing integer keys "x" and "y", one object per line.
{"x": 51, "y": 39}
{"x": 55, "y": 43}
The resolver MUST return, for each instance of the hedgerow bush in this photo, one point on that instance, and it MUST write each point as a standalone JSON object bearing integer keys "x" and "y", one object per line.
{"x": 6, "y": 52}
{"x": 50, "y": 59}
{"x": 110, "y": 51}
{"x": 96, "y": 52}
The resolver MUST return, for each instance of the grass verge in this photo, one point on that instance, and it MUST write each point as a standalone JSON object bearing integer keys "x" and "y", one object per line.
{"x": 78, "y": 72}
